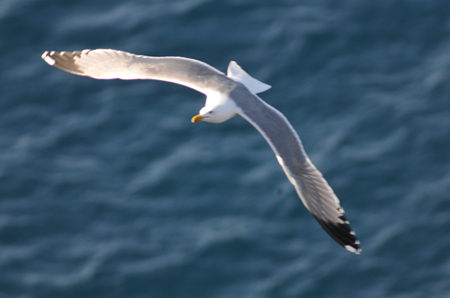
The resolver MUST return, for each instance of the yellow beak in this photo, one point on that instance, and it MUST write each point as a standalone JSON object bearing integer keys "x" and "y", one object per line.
{"x": 197, "y": 118}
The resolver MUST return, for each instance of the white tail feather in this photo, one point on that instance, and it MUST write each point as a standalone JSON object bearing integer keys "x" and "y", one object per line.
{"x": 236, "y": 73}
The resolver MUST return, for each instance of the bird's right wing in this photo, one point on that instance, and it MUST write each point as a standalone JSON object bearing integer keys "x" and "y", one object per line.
{"x": 108, "y": 64}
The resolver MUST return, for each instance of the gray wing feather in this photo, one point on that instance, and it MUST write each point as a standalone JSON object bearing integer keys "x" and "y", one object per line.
{"x": 312, "y": 188}
{"x": 113, "y": 64}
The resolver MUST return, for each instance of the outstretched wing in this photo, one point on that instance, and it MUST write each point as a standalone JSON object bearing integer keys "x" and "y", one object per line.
{"x": 312, "y": 188}
{"x": 108, "y": 64}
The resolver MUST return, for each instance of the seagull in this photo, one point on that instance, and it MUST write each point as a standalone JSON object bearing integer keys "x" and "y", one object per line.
{"x": 226, "y": 96}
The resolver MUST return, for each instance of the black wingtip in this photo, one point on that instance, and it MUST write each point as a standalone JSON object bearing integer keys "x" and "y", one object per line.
{"x": 342, "y": 233}
{"x": 64, "y": 60}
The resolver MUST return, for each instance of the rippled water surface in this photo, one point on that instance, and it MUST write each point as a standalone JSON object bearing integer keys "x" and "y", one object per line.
{"x": 108, "y": 190}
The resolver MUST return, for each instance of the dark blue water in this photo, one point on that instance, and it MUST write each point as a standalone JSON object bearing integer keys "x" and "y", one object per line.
{"x": 108, "y": 190}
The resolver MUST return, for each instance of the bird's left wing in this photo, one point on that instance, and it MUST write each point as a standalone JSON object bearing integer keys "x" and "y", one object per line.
{"x": 312, "y": 188}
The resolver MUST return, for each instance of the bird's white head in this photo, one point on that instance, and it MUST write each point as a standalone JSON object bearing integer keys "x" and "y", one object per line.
{"x": 218, "y": 108}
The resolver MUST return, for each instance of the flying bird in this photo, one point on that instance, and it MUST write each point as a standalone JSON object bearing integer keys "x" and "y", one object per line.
{"x": 226, "y": 96}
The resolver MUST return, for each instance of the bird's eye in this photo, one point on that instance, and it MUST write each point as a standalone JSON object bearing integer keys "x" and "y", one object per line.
{"x": 210, "y": 112}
